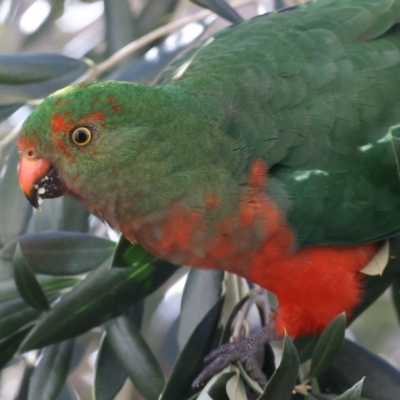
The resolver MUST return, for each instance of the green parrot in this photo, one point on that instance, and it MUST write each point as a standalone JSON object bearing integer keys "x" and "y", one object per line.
{"x": 265, "y": 151}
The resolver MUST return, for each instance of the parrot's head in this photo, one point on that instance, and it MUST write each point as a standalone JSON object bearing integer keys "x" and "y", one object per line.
{"x": 82, "y": 140}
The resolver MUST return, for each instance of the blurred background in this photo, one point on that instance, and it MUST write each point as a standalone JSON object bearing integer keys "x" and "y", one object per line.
{"x": 94, "y": 30}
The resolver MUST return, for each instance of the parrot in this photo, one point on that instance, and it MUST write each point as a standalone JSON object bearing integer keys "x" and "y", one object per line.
{"x": 265, "y": 151}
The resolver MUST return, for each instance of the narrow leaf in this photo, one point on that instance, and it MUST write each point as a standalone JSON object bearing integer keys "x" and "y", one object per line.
{"x": 49, "y": 217}
{"x": 9, "y": 346}
{"x": 222, "y": 8}
{"x": 120, "y": 26}
{"x": 109, "y": 375}
{"x": 217, "y": 390}
{"x": 354, "y": 393}
{"x": 14, "y": 314}
{"x": 190, "y": 361}
{"x": 376, "y": 285}
{"x": 202, "y": 290}
{"x": 61, "y": 253}
{"x": 8, "y": 288}
{"x": 282, "y": 382}
{"x": 227, "y": 329}
{"x": 126, "y": 254}
{"x": 379, "y": 261}
{"x": 235, "y": 388}
{"x": 74, "y": 216}
{"x": 18, "y": 69}
{"x": 27, "y": 284}
{"x": 305, "y": 346}
{"x": 102, "y": 295}
{"x": 352, "y": 364}
{"x": 136, "y": 357}
{"x": 250, "y": 382}
{"x": 23, "y": 389}
{"x": 34, "y": 76}
{"x": 49, "y": 375}
{"x": 328, "y": 346}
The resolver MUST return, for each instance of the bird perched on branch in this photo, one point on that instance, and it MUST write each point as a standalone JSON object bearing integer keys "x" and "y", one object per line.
{"x": 265, "y": 151}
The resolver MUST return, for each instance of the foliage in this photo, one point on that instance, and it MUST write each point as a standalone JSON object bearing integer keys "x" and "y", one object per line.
{"x": 61, "y": 275}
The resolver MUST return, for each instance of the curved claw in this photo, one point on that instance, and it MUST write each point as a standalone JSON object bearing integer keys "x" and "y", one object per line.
{"x": 243, "y": 351}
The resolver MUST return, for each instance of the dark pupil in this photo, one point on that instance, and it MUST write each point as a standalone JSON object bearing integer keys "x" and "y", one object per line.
{"x": 81, "y": 136}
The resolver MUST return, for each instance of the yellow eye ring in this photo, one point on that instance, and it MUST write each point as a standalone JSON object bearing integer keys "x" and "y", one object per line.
{"x": 81, "y": 136}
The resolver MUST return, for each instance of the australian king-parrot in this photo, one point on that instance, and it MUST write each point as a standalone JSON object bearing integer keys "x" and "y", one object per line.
{"x": 265, "y": 151}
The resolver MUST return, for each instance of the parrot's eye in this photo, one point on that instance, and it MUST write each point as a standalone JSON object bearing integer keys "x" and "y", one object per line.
{"x": 81, "y": 136}
{"x": 31, "y": 154}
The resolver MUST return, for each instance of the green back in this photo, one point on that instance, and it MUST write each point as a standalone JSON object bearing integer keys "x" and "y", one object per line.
{"x": 313, "y": 91}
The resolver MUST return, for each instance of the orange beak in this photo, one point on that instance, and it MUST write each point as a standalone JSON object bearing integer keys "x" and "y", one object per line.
{"x": 38, "y": 179}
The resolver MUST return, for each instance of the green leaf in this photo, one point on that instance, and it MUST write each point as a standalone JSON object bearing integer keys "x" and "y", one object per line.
{"x": 250, "y": 382}
{"x": 102, "y": 295}
{"x": 202, "y": 290}
{"x": 50, "y": 216}
{"x": 14, "y": 314}
{"x": 376, "y": 285}
{"x": 109, "y": 375}
{"x": 222, "y": 8}
{"x": 305, "y": 346}
{"x": 6, "y": 270}
{"x": 226, "y": 385}
{"x": 217, "y": 391}
{"x": 49, "y": 375}
{"x": 9, "y": 346}
{"x": 354, "y": 393}
{"x": 120, "y": 25}
{"x": 27, "y": 284}
{"x": 236, "y": 388}
{"x": 354, "y": 363}
{"x": 50, "y": 284}
{"x": 282, "y": 382}
{"x": 126, "y": 254}
{"x": 34, "y": 76}
{"x": 136, "y": 357}
{"x": 18, "y": 69}
{"x": 15, "y": 211}
{"x": 23, "y": 389}
{"x": 74, "y": 216}
{"x": 328, "y": 346}
{"x": 61, "y": 253}
{"x": 227, "y": 329}
{"x": 190, "y": 361}
{"x": 8, "y": 288}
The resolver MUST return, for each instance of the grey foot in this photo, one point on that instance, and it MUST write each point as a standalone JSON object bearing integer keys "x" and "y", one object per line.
{"x": 244, "y": 351}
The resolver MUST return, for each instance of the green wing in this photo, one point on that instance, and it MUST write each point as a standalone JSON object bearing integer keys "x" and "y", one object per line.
{"x": 313, "y": 91}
